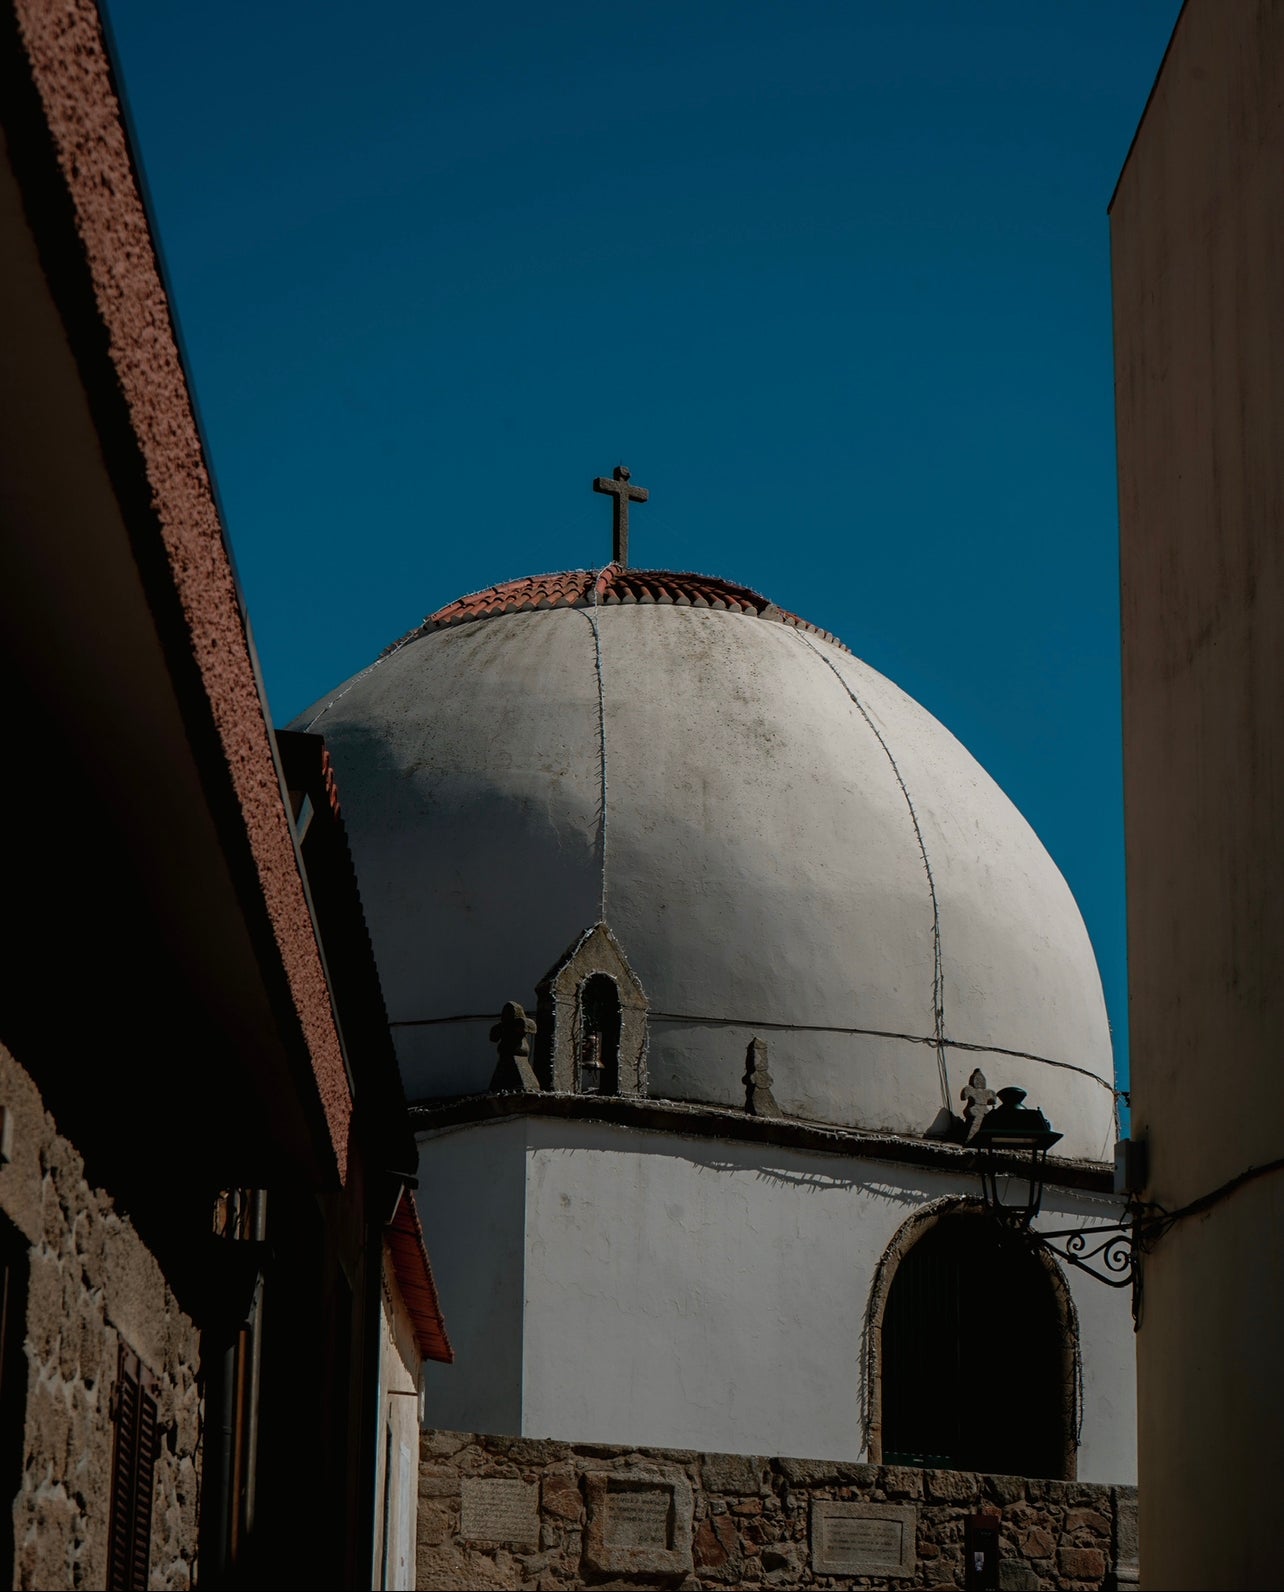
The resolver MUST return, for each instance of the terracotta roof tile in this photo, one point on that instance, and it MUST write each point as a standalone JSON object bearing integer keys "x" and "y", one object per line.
{"x": 409, "y": 1256}
{"x": 573, "y": 588}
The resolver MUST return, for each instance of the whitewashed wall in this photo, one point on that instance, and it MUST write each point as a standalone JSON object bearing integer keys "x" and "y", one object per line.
{"x": 472, "y": 1202}
{"x": 681, "y": 1292}
{"x": 1109, "y": 1451}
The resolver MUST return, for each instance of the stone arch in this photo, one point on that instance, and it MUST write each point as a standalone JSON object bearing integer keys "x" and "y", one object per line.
{"x": 953, "y": 1209}
{"x": 594, "y": 959}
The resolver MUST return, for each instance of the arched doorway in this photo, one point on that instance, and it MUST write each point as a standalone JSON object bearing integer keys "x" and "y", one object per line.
{"x": 975, "y": 1351}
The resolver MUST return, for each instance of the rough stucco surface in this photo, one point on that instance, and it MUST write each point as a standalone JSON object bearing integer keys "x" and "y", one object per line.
{"x": 70, "y": 70}
{"x": 776, "y": 858}
{"x": 93, "y": 1285}
{"x": 750, "y": 1524}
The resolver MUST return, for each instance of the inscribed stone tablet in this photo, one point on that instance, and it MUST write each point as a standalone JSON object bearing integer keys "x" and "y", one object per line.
{"x": 499, "y": 1510}
{"x": 638, "y": 1517}
{"x": 639, "y": 1521}
{"x": 863, "y": 1539}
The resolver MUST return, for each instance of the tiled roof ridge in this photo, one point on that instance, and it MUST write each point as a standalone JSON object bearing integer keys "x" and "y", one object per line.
{"x": 616, "y": 585}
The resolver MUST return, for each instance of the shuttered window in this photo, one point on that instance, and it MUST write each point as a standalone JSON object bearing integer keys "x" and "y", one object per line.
{"x": 133, "y": 1476}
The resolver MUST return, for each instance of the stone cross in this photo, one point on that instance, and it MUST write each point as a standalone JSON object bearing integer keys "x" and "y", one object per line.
{"x": 618, "y": 487}
{"x": 979, "y": 1100}
{"x": 759, "y": 1100}
{"x": 512, "y": 1036}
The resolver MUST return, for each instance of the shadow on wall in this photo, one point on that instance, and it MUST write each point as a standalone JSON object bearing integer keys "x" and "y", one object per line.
{"x": 721, "y": 1159}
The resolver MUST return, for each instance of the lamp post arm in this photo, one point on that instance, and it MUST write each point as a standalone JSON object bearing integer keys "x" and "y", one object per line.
{"x": 1112, "y": 1247}
{"x": 1110, "y": 1251}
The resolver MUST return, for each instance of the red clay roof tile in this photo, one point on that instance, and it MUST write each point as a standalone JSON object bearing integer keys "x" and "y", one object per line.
{"x": 409, "y": 1256}
{"x": 574, "y": 588}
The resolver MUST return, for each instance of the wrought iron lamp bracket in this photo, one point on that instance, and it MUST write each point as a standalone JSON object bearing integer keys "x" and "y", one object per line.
{"x": 1012, "y": 1141}
{"x": 1109, "y": 1251}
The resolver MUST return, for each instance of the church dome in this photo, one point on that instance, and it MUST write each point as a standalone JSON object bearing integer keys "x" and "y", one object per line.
{"x": 783, "y": 845}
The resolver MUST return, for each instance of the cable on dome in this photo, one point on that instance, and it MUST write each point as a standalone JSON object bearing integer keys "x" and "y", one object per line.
{"x": 938, "y": 974}
{"x": 591, "y": 614}
{"x": 369, "y": 668}
{"x": 705, "y": 1020}
{"x": 879, "y": 1033}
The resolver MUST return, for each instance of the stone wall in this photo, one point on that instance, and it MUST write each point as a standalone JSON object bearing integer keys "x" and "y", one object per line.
{"x": 520, "y": 1512}
{"x": 93, "y": 1285}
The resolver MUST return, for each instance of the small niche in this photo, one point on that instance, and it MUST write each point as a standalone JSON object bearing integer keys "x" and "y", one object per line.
{"x": 592, "y": 1021}
{"x": 597, "y": 1037}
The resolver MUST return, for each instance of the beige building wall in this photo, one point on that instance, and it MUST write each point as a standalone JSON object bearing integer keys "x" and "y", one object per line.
{"x": 1197, "y": 229}
{"x": 397, "y": 1479}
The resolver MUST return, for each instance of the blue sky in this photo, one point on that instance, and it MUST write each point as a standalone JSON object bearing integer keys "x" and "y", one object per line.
{"x": 832, "y": 278}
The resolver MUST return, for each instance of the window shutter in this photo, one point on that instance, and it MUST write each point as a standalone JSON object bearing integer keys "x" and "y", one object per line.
{"x": 133, "y": 1476}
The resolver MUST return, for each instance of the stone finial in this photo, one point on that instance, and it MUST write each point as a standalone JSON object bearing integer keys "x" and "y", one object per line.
{"x": 978, "y": 1100}
{"x": 512, "y": 1035}
{"x": 759, "y": 1100}
{"x": 618, "y": 488}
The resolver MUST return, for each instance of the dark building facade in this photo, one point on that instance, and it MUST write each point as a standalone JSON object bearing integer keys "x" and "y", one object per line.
{"x": 1197, "y": 243}
{"x": 204, "y": 1139}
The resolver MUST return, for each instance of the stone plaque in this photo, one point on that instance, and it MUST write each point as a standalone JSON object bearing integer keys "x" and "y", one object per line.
{"x": 863, "y": 1539}
{"x": 639, "y": 1517}
{"x": 499, "y": 1510}
{"x": 639, "y": 1521}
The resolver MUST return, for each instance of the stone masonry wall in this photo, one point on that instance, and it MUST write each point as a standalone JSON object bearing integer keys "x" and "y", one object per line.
{"x": 525, "y": 1513}
{"x": 93, "y": 1284}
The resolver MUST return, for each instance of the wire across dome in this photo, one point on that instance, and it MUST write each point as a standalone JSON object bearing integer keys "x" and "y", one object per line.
{"x": 784, "y": 846}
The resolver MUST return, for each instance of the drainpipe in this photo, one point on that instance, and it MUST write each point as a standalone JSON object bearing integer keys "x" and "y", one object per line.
{"x": 371, "y": 1411}
{"x": 231, "y": 1445}
{"x": 254, "y": 1368}
{"x": 216, "y": 1508}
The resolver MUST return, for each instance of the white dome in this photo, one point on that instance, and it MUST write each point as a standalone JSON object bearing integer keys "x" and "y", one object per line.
{"x": 789, "y": 847}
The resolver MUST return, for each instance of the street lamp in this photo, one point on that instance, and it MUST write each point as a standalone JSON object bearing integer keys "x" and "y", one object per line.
{"x": 1014, "y": 1141}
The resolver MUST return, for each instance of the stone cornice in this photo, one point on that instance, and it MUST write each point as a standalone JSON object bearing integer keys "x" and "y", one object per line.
{"x": 721, "y": 1122}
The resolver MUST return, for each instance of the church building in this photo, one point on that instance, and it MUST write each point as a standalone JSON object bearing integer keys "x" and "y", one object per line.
{"x": 705, "y": 950}
{"x": 712, "y": 964}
